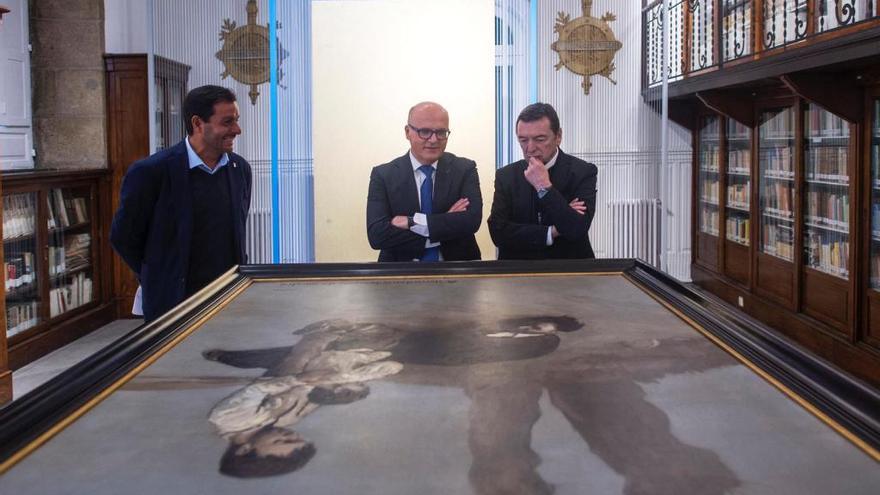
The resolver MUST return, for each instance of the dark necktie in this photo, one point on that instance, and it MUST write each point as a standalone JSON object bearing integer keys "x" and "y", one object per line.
{"x": 427, "y": 192}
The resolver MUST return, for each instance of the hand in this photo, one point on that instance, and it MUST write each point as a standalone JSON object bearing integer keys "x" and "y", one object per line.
{"x": 401, "y": 222}
{"x": 537, "y": 175}
{"x": 578, "y": 206}
{"x": 460, "y": 205}
{"x": 553, "y": 232}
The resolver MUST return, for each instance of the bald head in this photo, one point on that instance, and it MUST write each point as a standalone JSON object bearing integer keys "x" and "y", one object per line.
{"x": 427, "y": 106}
{"x": 426, "y": 117}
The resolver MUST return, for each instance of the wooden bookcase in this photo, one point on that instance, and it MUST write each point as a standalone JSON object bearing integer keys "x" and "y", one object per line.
{"x": 707, "y": 172}
{"x": 871, "y": 223}
{"x": 800, "y": 171}
{"x": 56, "y": 260}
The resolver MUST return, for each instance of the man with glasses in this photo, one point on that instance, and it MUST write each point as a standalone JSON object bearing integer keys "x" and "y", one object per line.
{"x": 544, "y": 204}
{"x": 425, "y": 205}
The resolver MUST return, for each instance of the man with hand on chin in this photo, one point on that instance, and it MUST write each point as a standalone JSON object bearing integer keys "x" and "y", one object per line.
{"x": 545, "y": 203}
{"x": 425, "y": 205}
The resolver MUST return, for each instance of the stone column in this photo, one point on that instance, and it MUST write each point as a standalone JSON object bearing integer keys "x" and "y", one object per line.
{"x": 68, "y": 83}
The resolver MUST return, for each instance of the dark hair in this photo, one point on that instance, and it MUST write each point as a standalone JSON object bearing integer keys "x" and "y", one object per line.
{"x": 537, "y": 111}
{"x": 201, "y": 101}
{"x": 563, "y": 323}
{"x": 251, "y": 465}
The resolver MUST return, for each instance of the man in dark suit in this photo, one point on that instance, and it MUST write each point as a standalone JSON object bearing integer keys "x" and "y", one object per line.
{"x": 425, "y": 205}
{"x": 544, "y": 204}
{"x": 182, "y": 211}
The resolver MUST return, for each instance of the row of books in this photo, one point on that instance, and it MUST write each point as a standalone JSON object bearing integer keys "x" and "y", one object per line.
{"x": 827, "y": 163}
{"x": 20, "y": 317}
{"x": 738, "y": 161}
{"x": 738, "y": 230}
{"x": 822, "y": 123}
{"x": 65, "y": 210}
{"x": 738, "y": 195}
{"x": 778, "y": 241}
{"x": 826, "y": 254}
{"x": 777, "y": 158}
{"x": 19, "y": 270}
{"x": 777, "y": 195}
{"x": 18, "y": 215}
{"x": 71, "y": 295}
{"x": 709, "y": 221}
{"x": 76, "y": 250}
{"x": 777, "y": 124}
{"x": 829, "y": 209}
{"x": 709, "y": 159}
{"x": 709, "y": 191}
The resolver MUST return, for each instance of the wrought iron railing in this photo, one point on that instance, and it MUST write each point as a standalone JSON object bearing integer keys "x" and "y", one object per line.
{"x": 709, "y": 33}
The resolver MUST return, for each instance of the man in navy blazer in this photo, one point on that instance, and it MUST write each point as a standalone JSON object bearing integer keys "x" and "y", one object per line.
{"x": 544, "y": 204}
{"x": 425, "y": 205}
{"x": 182, "y": 211}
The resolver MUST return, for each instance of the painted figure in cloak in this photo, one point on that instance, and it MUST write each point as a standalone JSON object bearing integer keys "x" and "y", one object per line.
{"x": 504, "y": 371}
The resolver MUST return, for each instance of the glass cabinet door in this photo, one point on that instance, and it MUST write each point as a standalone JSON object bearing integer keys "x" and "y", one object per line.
{"x": 776, "y": 182}
{"x": 826, "y": 198}
{"x": 20, "y": 262}
{"x": 708, "y": 174}
{"x": 738, "y": 182}
{"x": 70, "y": 251}
{"x": 875, "y": 198}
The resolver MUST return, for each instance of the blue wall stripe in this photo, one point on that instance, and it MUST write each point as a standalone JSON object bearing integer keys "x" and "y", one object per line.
{"x": 273, "y": 129}
{"x": 533, "y": 51}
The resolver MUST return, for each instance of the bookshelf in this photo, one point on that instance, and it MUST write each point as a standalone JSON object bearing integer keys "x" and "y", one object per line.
{"x": 776, "y": 182}
{"x": 707, "y": 197}
{"x": 739, "y": 179}
{"x": 21, "y": 282}
{"x": 826, "y": 195}
{"x": 709, "y": 175}
{"x": 874, "y": 270}
{"x": 56, "y": 285}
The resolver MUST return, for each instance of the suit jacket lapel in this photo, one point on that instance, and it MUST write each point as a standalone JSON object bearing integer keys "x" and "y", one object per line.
{"x": 233, "y": 176}
{"x": 406, "y": 181}
{"x": 560, "y": 171}
{"x": 178, "y": 174}
{"x": 442, "y": 184}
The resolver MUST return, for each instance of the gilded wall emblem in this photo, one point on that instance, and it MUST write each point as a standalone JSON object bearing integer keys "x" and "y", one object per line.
{"x": 586, "y": 45}
{"x": 245, "y": 52}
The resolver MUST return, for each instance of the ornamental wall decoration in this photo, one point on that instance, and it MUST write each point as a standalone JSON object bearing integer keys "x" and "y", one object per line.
{"x": 586, "y": 45}
{"x": 245, "y": 52}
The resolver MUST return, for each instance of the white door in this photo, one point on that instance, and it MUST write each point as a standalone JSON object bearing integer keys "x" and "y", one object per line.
{"x": 16, "y": 136}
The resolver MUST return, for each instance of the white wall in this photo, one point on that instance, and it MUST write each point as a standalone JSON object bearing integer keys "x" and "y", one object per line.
{"x": 372, "y": 61}
{"x": 614, "y": 128}
{"x": 16, "y": 138}
{"x": 126, "y": 26}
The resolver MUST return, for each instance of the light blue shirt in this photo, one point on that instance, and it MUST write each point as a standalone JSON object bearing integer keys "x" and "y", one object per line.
{"x": 195, "y": 161}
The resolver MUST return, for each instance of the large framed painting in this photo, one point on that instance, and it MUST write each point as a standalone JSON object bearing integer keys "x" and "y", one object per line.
{"x": 601, "y": 376}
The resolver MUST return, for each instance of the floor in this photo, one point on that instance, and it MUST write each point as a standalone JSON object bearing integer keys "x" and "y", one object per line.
{"x": 42, "y": 370}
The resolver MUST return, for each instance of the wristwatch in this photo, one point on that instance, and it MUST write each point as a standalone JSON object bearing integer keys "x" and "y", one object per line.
{"x": 543, "y": 192}
{"x": 410, "y": 222}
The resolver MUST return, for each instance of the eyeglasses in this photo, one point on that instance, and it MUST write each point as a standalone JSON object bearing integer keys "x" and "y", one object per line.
{"x": 425, "y": 133}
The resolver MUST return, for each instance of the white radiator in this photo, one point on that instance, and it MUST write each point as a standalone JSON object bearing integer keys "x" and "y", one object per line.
{"x": 635, "y": 229}
{"x": 259, "y": 235}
